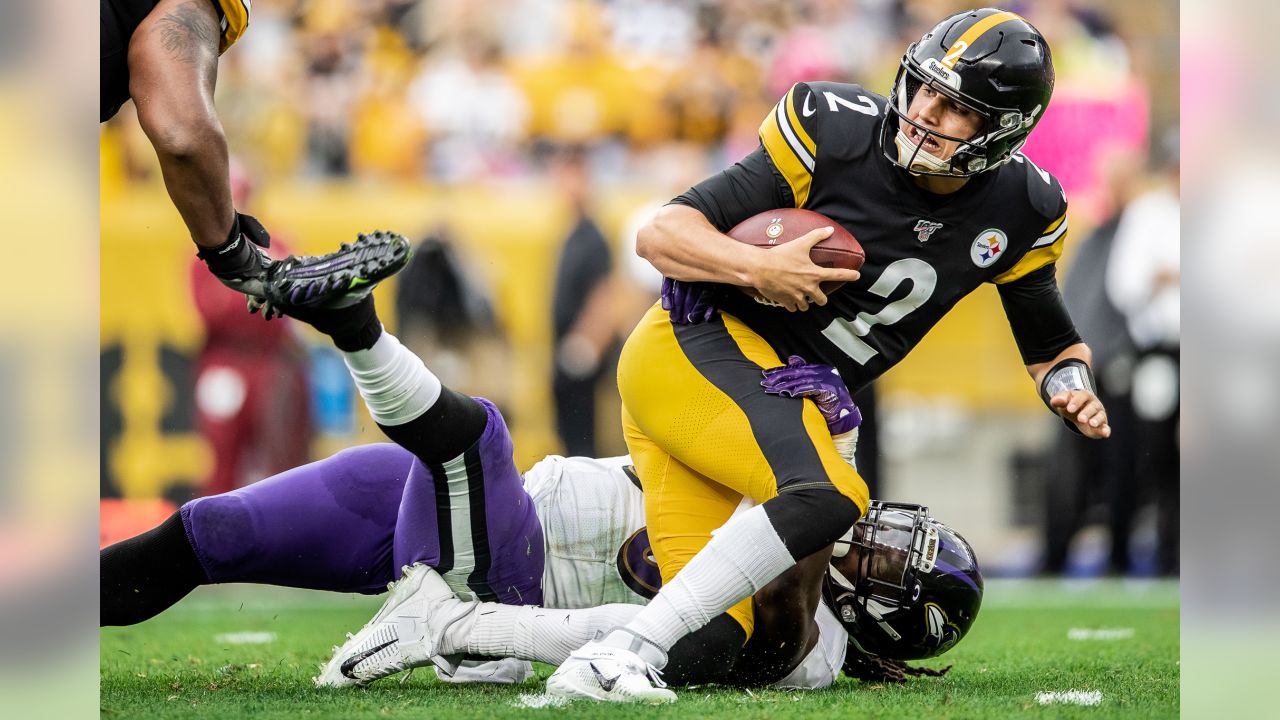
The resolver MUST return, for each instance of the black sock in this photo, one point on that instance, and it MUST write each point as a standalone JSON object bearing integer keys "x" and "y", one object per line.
{"x": 446, "y": 430}
{"x": 351, "y": 328}
{"x": 145, "y": 575}
{"x": 706, "y": 655}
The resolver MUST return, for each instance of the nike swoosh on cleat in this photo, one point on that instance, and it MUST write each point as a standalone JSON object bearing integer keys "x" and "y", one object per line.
{"x": 606, "y": 684}
{"x": 350, "y": 664}
{"x": 357, "y": 282}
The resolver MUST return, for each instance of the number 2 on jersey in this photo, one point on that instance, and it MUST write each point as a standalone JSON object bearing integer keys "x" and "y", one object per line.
{"x": 847, "y": 334}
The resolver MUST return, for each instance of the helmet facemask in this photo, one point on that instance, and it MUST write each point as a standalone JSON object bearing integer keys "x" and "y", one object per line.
{"x": 892, "y": 544}
{"x": 903, "y": 585}
{"x": 1001, "y": 134}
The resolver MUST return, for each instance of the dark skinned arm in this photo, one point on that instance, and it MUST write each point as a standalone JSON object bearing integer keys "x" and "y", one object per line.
{"x": 785, "y": 629}
{"x": 173, "y": 66}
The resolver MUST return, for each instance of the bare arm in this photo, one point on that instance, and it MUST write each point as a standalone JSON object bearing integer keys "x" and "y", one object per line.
{"x": 785, "y": 629}
{"x": 684, "y": 245}
{"x": 1081, "y": 407}
{"x": 597, "y": 325}
{"x": 173, "y": 66}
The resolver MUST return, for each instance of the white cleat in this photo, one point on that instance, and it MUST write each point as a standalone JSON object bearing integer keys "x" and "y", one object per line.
{"x": 608, "y": 674}
{"x": 407, "y": 632}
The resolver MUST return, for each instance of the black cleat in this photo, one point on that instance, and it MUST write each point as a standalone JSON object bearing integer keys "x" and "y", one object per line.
{"x": 337, "y": 280}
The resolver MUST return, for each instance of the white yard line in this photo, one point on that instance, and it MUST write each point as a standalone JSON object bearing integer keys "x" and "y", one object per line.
{"x": 1070, "y": 697}
{"x": 541, "y": 700}
{"x": 1122, "y": 633}
{"x": 245, "y": 638}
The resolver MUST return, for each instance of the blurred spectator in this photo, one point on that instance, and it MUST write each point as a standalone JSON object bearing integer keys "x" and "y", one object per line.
{"x": 475, "y": 115}
{"x": 387, "y": 137}
{"x": 445, "y": 315}
{"x": 1082, "y": 474}
{"x": 1144, "y": 281}
{"x": 252, "y": 405}
{"x": 331, "y": 48}
{"x": 1098, "y": 104}
{"x": 583, "y": 319}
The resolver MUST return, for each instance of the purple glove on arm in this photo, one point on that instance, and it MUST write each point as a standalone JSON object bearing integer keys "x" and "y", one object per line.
{"x": 820, "y": 383}
{"x": 688, "y": 302}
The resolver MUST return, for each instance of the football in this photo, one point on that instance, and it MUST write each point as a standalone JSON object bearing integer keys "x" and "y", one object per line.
{"x": 775, "y": 227}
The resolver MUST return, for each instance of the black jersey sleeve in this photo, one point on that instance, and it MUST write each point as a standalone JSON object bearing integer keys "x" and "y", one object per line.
{"x": 1041, "y": 325}
{"x": 749, "y": 187}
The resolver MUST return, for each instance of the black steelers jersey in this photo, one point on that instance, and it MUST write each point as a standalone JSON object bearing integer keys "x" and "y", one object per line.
{"x": 924, "y": 251}
{"x": 119, "y": 18}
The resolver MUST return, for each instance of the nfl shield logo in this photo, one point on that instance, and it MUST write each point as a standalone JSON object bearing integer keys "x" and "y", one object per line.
{"x": 924, "y": 229}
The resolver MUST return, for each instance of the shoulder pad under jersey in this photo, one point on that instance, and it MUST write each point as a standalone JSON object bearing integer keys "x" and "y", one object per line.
{"x": 816, "y": 121}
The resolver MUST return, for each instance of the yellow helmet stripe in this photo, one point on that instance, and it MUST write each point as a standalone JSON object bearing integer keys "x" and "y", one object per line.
{"x": 971, "y": 36}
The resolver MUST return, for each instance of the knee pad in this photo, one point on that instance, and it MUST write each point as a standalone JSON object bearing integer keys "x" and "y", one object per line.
{"x": 222, "y": 533}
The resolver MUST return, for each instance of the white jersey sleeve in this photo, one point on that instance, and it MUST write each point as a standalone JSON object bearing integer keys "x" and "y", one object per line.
{"x": 591, "y": 510}
{"x": 821, "y": 667}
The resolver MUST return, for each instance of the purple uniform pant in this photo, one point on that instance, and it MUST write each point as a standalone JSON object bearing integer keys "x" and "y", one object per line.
{"x": 350, "y": 522}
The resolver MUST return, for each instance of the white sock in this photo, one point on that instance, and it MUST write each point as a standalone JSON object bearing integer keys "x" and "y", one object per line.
{"x": 395, "y": 384}
{"x": 742, "y": 557}
{"x": 540, "y": 634}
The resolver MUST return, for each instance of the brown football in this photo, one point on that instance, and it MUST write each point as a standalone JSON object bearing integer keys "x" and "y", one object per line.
{"x": 775, "y": 227}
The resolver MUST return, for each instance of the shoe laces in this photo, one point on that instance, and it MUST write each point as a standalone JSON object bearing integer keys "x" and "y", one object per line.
{"x": 644, "y": 668}
{"x": 655, "y": 676}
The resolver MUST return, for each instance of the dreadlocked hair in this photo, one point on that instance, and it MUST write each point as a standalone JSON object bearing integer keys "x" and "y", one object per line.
{"x": 872, "y": 668}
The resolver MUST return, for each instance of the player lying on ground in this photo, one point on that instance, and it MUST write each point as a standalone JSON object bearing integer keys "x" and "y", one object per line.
{"x": 445, "y": 512}
{"x": 930, "y": 181}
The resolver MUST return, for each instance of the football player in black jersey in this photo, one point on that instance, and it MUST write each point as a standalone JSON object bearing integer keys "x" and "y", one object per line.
{"x": 931, "y": 182}
{"x": 164, "y": 54}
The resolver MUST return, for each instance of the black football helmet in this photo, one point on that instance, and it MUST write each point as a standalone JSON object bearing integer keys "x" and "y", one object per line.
{"x": 990, "y": 61}
{"x": 911, "y": 588}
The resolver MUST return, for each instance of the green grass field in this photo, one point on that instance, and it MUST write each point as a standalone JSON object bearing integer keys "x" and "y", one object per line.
{"x": 177, "y": 665}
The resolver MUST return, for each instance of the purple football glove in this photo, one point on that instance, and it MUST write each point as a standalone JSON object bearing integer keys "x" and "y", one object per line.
{"x": 688, "y": 302}
{"x": 820, "y": 383}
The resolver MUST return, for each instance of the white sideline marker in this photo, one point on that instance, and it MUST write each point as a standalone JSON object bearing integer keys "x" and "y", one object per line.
{"x": 1100, "y": 633}
{"x": 245, "y": 638}
{"x": 541, "y": 700}
{"x": 1070, "y": 697}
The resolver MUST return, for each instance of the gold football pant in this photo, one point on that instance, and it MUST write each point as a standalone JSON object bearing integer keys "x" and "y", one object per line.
{"x": 703, "y": 434}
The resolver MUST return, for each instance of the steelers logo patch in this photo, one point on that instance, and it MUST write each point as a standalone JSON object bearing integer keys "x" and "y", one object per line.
{"x": 988, "y": 247}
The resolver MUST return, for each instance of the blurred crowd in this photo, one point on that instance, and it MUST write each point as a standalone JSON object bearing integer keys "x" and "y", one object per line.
{"x": 455, "y": 90}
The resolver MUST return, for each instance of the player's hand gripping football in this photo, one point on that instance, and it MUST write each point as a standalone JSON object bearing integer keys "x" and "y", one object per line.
{"x": 1083, "y": 409}
{"x": 688, "y": 302}
{"x": 820, "y": 383}
{"x": 786, "y": 276}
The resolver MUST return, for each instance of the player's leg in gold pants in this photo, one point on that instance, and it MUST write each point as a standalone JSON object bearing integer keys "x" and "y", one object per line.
{"x": 703, "y": 434}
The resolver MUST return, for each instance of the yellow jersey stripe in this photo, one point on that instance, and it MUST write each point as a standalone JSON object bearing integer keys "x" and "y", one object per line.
{"x": 972, "y": 34}
{"x": 1055, "y": 231}
{"x": 1054, "y": 225}
{"x": 235, "y": 15}
{"x": 796, "y": 127}
{"x": 785, "y": 157}
{"x": 1032, "y": 261}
